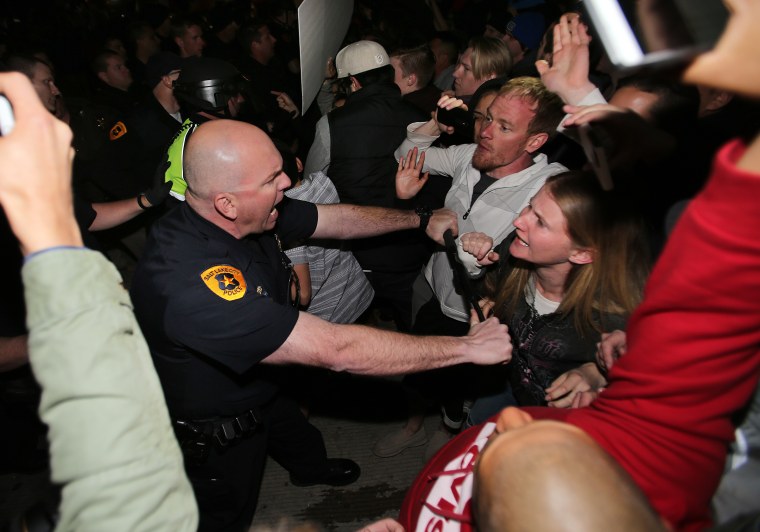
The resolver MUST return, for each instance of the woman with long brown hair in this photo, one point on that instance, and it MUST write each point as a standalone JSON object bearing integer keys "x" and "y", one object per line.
{"x": 573, "y": 268}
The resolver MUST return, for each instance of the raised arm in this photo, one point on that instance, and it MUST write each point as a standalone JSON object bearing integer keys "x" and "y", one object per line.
{"x": 85, "y": 347}
{"x": 422, "y": 135}
{"x": 567, "y": 76}
{"x": 39, "y": 207}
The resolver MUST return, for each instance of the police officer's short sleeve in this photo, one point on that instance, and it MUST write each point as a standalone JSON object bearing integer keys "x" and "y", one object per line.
{"x": 298, "y": 219}
{"x": 228, "y": 317}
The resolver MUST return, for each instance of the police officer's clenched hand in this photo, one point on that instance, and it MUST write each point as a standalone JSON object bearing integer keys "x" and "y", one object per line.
{"x": 489, "y": 341}
{"x": 442, "y": 220}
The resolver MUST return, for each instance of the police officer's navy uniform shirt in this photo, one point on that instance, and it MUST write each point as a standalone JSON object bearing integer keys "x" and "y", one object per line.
{"x": 212, "y": 306}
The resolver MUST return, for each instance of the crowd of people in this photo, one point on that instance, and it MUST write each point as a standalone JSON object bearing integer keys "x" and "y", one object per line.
{"x": 262, "y": 232}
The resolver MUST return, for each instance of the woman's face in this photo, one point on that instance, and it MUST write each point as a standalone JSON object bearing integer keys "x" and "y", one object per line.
{"x": 542, "y": 237}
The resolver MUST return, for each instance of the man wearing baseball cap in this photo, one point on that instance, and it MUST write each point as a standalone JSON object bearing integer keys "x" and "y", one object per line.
{"x": 354, "y": 145}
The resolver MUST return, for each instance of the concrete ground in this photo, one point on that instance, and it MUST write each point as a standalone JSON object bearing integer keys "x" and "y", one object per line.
{"x": 353, "y": 414}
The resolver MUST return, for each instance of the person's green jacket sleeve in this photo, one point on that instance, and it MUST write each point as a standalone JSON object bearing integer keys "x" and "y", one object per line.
{"x": 111, "y": 443}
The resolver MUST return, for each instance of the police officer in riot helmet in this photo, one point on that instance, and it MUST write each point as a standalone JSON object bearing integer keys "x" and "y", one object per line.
{"x": 208, "y": 89}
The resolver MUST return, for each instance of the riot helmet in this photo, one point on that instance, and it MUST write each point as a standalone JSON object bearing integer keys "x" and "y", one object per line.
{"x": 207, "y": 84}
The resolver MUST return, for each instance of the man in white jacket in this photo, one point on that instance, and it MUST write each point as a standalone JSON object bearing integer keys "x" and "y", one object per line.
{"x": 493, "y": 180}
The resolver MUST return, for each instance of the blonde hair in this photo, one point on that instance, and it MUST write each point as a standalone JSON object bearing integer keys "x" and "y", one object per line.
{"x": 490, "y": 58}
{"x": 613, "y": 282}
{"x": 547, "y": 106}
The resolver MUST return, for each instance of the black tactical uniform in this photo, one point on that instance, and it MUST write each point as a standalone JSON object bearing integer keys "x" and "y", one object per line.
{"x": 212, "y": 307}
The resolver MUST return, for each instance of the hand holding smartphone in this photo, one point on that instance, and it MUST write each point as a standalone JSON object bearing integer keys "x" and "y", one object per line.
{"x": 457, "y": 118}
{"x": 38, "y": 207}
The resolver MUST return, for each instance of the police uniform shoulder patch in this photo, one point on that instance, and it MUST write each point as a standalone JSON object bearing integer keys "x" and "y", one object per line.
{"x": 225, "y": 281}
{"x": 117, "y": 130}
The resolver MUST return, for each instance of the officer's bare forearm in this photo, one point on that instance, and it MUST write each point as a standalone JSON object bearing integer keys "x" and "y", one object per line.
{"x": 366, "y": 350}
{"x": 352, "y": 221}
{"x": 370, "y": 351}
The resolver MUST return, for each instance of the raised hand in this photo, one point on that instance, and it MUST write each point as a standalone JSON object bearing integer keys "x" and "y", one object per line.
{"x": 447, "y": 101}
{"x": 567, "y": 76}
{"x": 409, "y": 177}
{"x": 39, "y": 206}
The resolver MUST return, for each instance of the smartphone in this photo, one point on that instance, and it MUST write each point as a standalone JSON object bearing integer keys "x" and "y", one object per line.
{"x": 676, "y": 30}
{"x": 7, "y": 120}
{"x": 457, "y": 118}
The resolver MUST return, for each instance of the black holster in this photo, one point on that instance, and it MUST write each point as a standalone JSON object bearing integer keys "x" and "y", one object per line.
{"x": 196, "y": 437}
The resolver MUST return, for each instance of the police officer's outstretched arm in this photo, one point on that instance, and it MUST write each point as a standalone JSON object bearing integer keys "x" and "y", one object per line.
{"x": 370, "y": 351}
{"x": 344, "y": 221}
{"x": 85, "y": 347}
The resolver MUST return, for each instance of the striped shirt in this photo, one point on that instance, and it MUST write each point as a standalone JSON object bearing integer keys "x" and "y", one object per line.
{"x": 340, "y": 291}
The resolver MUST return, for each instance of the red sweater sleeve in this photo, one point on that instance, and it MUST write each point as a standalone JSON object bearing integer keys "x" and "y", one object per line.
{"x": 693, "y": 352}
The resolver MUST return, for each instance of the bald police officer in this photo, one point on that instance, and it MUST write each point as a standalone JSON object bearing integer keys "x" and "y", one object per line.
{"x": 212, "y": 295}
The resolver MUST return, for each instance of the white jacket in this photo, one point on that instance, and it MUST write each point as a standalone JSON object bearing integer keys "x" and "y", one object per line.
{"x": 492, "y": 213}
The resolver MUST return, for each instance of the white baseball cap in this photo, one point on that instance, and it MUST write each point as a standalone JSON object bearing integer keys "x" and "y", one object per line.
{"x": 360, "y": 57}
